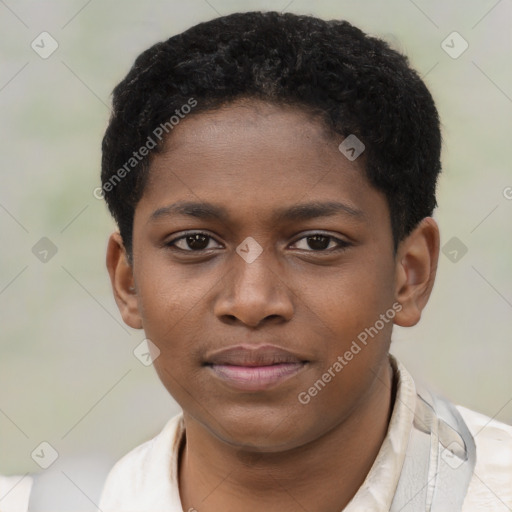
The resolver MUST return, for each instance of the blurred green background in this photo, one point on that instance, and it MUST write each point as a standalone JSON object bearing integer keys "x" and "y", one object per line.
{"x": 67, "y": 370}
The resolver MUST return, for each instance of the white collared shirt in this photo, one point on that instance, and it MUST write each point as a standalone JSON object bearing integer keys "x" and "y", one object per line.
{"x": 146, "y": 479}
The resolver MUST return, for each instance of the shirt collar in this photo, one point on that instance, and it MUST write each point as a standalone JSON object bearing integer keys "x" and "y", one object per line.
{"x": 378, "y": 489}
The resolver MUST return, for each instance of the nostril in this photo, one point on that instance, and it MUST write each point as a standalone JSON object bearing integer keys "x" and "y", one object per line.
{"x": 230, "y": 319}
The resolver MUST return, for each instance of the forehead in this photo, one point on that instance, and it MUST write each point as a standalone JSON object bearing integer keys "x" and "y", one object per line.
{"x": 255, "y": 155}
{"x": 242, "y": 129}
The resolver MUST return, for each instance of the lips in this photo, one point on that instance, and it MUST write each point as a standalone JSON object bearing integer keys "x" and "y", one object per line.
{"x": 251, "y": 368}
{"x": 243, "y": 355}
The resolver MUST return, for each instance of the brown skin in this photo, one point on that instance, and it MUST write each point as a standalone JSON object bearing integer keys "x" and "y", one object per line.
{"x": 265, "y": 450}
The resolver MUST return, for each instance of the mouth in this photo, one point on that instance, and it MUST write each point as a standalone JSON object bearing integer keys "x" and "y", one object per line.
{"x": 249, "y": 368}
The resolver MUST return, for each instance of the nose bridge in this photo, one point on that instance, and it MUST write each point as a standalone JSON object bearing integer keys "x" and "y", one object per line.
{"x": 254, "y": 278}
{"x": 253, "y": 291}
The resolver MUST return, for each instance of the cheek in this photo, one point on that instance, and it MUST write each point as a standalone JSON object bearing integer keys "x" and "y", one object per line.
{"x": 172, "y": 308}
{"x": 168, "y": 293}
{"x": 177, "y": 333}
{"x": 351, "y": 298}
{"x": 356, "y": 307}
{"x": 351, "y": 362}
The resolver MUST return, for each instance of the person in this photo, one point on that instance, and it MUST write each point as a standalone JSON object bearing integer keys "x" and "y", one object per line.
{"x": 273, "y": 178}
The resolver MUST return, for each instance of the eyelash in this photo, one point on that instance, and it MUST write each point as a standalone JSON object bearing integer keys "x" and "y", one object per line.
{"x": 342, "y": 244}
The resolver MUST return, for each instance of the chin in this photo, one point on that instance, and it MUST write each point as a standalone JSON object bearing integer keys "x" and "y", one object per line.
{"x": 262, "y": 429}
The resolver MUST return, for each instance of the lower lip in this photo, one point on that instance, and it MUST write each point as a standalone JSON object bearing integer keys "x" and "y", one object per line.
{"x": 256, "y": 378}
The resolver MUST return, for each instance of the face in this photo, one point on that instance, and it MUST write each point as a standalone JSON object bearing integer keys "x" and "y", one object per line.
{"x": 260, "y": 256}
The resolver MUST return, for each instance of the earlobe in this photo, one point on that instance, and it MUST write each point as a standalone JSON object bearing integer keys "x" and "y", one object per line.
{"x": 122, "y": 280}
{"x": 416, "y": 266}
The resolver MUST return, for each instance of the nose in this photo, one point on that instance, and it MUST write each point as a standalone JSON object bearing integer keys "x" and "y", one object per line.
{"x": 253, "y": 294}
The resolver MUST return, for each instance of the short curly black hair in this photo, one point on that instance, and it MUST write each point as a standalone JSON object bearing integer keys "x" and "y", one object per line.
{"x": 356, "y": 83}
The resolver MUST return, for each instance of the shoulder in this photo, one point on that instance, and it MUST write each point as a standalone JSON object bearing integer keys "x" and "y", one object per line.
{"x": 491, "y": 486}
{"x": 15, "y": 493}
{"x": 143, "y": 470}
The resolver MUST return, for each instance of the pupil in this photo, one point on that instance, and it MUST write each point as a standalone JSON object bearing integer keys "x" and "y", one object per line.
{"x": 318, "y": 242}
{"x": 197, "y": 241}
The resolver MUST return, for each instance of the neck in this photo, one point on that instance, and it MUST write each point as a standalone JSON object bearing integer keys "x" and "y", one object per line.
{"x": 322, "y": 475}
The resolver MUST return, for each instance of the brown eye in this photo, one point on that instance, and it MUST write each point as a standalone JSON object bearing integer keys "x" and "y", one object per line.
{"x": 197, "y": 242}
{"x": 193, "y": 242}
{"x": 318, "y": 242}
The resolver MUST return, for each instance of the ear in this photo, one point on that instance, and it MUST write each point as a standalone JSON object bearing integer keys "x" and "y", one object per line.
{"x": 123, "y": 283}
{"x": 416, "y": 266}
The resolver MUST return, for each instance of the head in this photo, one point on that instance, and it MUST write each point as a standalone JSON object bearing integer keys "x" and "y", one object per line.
{"x": 246, "y": 220}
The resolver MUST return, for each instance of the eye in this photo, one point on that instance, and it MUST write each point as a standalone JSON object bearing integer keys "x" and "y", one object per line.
{"x": 320, "y": 242}
{"x": 193, "y": 242}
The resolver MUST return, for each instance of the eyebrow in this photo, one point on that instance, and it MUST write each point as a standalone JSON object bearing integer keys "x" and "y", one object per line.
{"x": 191, "y": 209}
{"x": 304, "y": 211}
{"x": 317, "y": 209}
